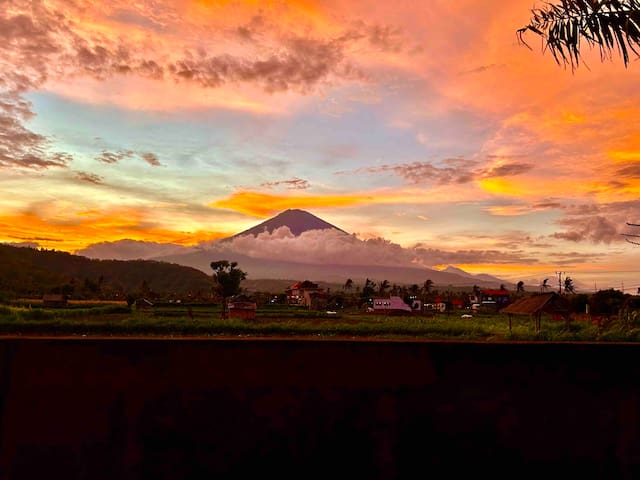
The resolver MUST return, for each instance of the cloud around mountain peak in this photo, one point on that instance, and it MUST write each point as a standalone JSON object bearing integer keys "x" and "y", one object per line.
{"x": 314, "y": 243}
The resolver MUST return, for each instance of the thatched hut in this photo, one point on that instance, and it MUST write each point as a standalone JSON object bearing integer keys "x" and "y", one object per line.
{"x": 535, "y": 305}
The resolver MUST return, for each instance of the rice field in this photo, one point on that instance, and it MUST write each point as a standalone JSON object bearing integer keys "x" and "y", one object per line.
{"x": 118, "y": 319}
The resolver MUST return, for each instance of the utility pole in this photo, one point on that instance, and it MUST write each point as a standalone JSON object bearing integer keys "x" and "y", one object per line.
{"x": 560, "y": 282}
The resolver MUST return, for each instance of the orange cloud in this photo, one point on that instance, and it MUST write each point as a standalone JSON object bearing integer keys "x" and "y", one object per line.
{"x": 262, "y": 205}
{"x": 74, "y": 234}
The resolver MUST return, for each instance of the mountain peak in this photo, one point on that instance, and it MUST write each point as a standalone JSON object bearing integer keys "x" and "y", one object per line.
{"x": 457, "y": 271}
{"x": 298, "y": 221}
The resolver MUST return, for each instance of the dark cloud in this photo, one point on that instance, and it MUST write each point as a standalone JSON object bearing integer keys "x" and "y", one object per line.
{"x": 35, "y": 239}
{"x": 300, "y": 64}
{"x": 583, "y": 209}
{"x": 292, "y": 184}
{"x": 114, "y": 157}
{"x": 629, "y": 171}
{"x": 385, "y": 37}
{"x": 507, "y": 170}
{"x": 19, "y": 146}
{"x": 547, "y": 205}
{"x": 425, "y": 172}
{"x": 598, "y": 223}
{"x": 484, "y": 68}
{"x": 251, "y": 31}
{"x": 450, "y": 171}
{"x": 151, "y": 159}
{"x": 595, "y": 229}
{"x": 89, "y": 177}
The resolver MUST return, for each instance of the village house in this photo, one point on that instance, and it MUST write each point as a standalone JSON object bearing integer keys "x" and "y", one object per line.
{"x": 499, "y": 298}
{"x": 391, "y": 306}
{"x": 304, "y": 293}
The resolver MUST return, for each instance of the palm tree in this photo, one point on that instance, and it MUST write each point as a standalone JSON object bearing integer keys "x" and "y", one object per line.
{"x": 545, "y": 285}
{"x": 520, "y": 286}
{"x": 608, "y": 24}
{"x": 630, "y": 235}
{"x": 383, "y": 287}
{"x": 369, "y": 288}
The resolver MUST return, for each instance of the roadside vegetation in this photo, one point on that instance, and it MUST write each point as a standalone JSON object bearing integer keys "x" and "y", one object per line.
{"x": 118, "y": 319}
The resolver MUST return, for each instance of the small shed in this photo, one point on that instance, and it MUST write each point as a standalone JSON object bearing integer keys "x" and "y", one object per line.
{"x": 54, "y": 300}
{"x": 535, "y": 305}
{"x": 243, "y": 310}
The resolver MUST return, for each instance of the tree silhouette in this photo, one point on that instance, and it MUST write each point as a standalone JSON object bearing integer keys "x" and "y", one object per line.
{"x": 545, "y": 285}
{"x": 520, "y": 286}
{"x": 227, "y": 278}
{"x": 383, "y": 287}
{"x": 348, "y": 285}
{"x": 606, "y": 24}
{"x": 568, "y": 285}
{"x": 630, "y": 235}
{"x": 369, "y": 289}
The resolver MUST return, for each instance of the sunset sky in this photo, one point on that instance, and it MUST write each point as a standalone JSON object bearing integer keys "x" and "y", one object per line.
{"x": 422, "y": 123}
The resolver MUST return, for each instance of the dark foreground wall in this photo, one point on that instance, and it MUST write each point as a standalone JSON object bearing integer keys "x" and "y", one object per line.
{"x": 316, "y": 409}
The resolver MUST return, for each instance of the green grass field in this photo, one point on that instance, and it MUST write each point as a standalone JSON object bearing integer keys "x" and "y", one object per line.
{"x": 205, "y": 320}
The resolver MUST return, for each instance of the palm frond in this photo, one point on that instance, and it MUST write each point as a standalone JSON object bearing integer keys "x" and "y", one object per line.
{"x": 610, "y": 25}
{"x": 631, "y": 235}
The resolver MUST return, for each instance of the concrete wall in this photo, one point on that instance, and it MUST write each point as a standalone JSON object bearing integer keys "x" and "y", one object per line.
{"x": 316, "y": 409}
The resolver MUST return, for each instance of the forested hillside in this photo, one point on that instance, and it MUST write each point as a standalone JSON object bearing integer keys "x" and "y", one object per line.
{"x": 33, "y": 272}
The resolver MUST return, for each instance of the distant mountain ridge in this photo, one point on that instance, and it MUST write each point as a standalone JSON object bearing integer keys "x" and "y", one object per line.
{"x": 29, "y": 271}
{"x": 298, "y": 222}
{"x": 262, "y": 268}
{"x": 480, "y": 277}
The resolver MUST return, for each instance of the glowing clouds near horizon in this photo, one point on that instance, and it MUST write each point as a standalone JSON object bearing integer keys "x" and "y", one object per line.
{"x": 263, "y": 204}
{"x": 76, "y": 232}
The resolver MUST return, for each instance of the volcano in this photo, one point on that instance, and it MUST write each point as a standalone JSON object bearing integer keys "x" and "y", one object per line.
{"x": 298, "y": 222}
{"x": 315, "y": 250}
